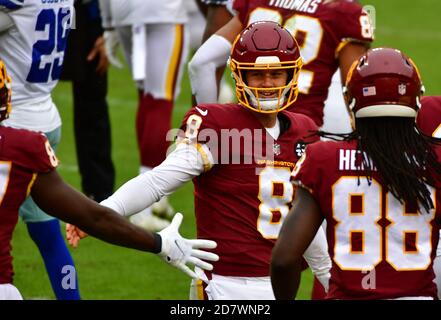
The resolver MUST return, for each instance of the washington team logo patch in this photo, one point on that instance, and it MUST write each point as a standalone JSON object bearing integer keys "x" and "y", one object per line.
{"x": 300, "y": 148}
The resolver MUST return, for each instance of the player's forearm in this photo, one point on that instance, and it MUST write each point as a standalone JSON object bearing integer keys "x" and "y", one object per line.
{"x": 285, "y": 279}
{"x": 64, "y": 202}
{"x": 108, "y": 226}
{"x": 217, "y": 17}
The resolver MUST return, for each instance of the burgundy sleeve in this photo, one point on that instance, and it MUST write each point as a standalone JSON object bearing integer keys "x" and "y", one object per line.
{"x": 429, "y": 116}
{"x": 240, "y": 7}
{"x": 353, "y": 23}
{"x": 40, "y": 154}
{"x": 199, "y": 125}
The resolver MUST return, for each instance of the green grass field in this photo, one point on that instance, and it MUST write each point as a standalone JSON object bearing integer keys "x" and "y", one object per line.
{"x": 110, "y": 272}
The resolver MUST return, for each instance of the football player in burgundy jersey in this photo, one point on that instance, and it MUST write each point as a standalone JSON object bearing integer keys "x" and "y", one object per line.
{"x": 27, "y": 166}
{"x": 240, "y": 158}
{"x": 429, "y": 122}
{"x": 377, "y": 190}
{"x": 331, "y": 34}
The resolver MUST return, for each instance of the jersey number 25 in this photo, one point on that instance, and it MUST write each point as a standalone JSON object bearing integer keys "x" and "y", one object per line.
{"x": 48, "y": 53}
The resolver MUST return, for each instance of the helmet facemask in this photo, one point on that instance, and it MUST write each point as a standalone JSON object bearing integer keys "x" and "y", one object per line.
{"x": 254, "y": 97}
{"x": 265, "y": 47}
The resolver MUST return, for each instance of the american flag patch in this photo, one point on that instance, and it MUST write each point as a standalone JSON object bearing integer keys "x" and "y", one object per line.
{"x": 369, "y": 91}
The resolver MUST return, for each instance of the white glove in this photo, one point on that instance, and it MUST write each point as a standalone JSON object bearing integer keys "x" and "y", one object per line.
{"x": 111, "y": 43}
{"x": 179, "y": 251}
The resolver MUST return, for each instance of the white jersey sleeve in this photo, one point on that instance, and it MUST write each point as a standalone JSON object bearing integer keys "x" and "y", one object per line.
{"x": 33, "y": 51}
{"x": 212, "y": 54}
{"x": 180, "y": 166}
{"x": 132, "y": 12}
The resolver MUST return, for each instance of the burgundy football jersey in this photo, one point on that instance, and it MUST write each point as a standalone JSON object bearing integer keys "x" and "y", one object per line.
{"x": 379, "y": 248}
{"x": 23, "y": 154}
{"x": 242, "y": 200}
{"x": 429, "y": 116}
{"x": 321, "y": 28}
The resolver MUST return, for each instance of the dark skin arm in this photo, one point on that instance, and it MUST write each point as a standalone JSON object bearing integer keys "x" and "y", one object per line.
{"x": 348, "y": 54}
{"x": 202, "y": 7}
{"x": 217, "y": 17}
{"x": 298, "y": 230}
{"x": 60, "y": 200}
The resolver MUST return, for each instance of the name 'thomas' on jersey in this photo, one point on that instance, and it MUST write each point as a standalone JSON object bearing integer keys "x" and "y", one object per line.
{"x": 23, "y": 155}
{"x": 380, "y": 248}
{"x": 241, "y": 201}
{"x": 33, "y": 49}
{"x": 321, "y": 28}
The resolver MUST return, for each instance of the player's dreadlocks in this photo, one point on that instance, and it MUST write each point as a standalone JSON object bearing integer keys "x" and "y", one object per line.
{"x": 403, "y": 156}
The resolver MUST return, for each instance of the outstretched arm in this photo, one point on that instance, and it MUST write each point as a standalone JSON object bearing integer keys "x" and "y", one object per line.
{"x": 60, "y": 200}
{"x": 297, "y": 232}
{"x": 180, "y": 166}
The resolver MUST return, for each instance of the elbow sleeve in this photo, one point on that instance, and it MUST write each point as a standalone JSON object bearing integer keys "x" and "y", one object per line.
{"x": 202, "y": 68}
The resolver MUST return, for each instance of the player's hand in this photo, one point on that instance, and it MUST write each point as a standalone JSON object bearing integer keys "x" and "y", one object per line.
{"x": 179, "y": 251}
{"x": 99, "y": 52}
{"x": 111, "y": 43}
{"x": 74, "y": 235}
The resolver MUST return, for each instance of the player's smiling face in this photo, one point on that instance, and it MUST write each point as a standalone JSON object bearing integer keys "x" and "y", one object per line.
{"x": 267, "y": 79}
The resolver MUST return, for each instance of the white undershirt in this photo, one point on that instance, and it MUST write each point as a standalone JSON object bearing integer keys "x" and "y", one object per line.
{"x": 274, "y": 131}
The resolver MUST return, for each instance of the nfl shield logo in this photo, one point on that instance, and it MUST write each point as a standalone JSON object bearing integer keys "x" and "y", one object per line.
{"x": 402, "y": 89}
{"x": 276, "y": 149}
